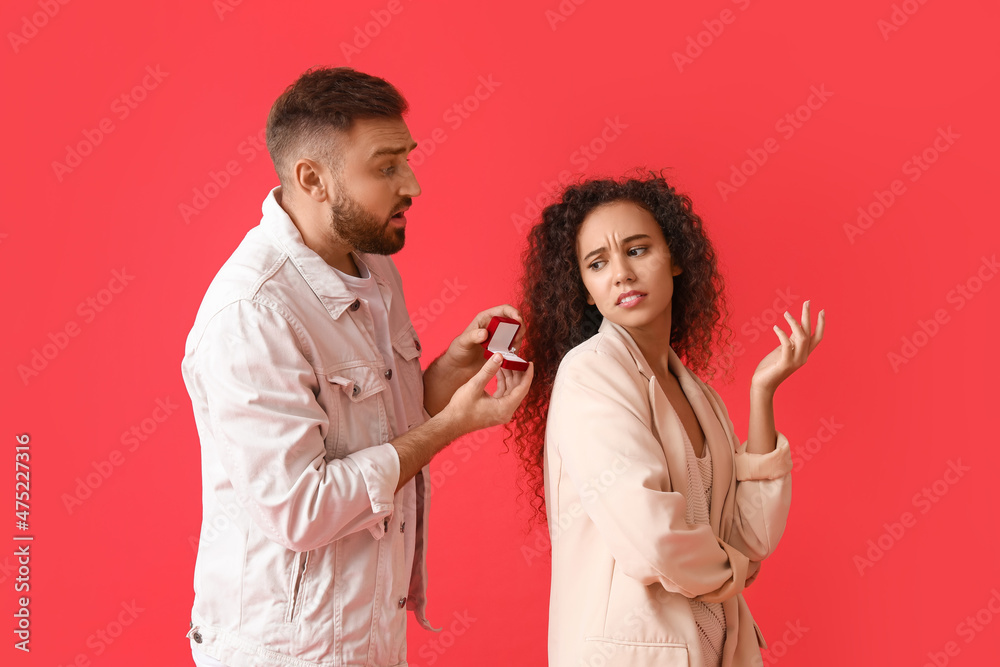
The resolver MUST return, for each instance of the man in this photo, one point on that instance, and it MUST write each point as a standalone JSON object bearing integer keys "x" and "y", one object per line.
{"x": 316, "y": 421}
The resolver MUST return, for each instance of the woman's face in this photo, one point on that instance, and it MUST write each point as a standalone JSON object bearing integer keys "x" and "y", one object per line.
{"x": 626, "y": 265}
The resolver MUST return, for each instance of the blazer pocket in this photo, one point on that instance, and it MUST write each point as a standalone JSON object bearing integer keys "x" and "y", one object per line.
{"x": 623, "y": 652}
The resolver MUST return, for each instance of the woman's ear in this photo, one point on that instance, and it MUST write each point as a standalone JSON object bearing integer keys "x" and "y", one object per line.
{"x": 590, "y": 300}
{"x": 676, "y": 270}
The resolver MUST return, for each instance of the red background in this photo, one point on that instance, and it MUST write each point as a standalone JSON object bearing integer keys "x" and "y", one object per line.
{"x": 222, "y": 65}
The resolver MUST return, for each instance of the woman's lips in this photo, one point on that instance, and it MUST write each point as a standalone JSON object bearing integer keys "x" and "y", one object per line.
{"x": 630, "y": 299}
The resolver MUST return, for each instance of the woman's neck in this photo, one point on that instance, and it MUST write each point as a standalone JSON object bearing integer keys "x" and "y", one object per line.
{"x": 653, "y": 341}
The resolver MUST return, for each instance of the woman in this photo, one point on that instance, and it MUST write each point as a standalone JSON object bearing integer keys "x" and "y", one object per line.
{"x": 659, "y": 516}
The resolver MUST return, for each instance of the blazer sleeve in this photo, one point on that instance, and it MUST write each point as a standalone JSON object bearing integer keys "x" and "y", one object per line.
{"x": 763, "y": 494}
{"x": 599, "y": 421}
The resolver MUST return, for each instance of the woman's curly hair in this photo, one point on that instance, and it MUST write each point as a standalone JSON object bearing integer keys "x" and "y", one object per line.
{"x": 557, "y": 316}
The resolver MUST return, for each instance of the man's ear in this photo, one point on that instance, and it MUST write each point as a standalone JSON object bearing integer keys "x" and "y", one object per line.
{"x": 308, "y": 178}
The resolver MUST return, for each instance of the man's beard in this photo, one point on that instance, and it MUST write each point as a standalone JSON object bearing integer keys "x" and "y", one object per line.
{"x": 362, "y": 229}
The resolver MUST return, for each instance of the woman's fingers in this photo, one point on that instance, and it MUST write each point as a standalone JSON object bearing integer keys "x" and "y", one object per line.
{"x": 820, "y": 326}
{"x": 800, "y": 341}
{"x": 786, "y": 344}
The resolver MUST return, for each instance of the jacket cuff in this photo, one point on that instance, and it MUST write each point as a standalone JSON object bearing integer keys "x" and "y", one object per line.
{"x": 764, "y": 466}
{"x": 379, "y": 468}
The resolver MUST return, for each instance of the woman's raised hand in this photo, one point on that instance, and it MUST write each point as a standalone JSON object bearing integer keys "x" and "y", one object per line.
{"x": 791, "y": 353}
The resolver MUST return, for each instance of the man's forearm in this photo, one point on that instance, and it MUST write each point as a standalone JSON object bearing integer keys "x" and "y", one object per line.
{"x": 441, "y": 379}
{"x": 418, "y": 446}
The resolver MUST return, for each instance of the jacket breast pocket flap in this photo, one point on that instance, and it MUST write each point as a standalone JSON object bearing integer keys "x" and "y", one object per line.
{"x": 358, "y": 382}
{"x": 407, "y": 345}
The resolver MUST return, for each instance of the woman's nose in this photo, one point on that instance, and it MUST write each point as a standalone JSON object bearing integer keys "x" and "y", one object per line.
{"x": 623, "y": 272}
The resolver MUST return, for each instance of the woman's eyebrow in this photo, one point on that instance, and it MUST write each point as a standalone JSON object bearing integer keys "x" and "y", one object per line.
{"x": 624, "y": 240}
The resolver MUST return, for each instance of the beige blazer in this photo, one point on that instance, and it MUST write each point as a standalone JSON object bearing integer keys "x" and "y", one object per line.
{"x": 624, "y": 561}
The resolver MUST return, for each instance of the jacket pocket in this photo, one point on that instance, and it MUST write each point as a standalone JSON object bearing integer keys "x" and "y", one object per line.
{"x": 359, "y": 419}
{"x": 357, "y": 382}
{"x": 295, "y": 589}
{"x": 407, "y": 350}
{"x": 625, "y": 653}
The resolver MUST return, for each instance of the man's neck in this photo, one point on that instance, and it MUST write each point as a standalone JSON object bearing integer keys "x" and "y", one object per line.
{"x": 316, "y": 237}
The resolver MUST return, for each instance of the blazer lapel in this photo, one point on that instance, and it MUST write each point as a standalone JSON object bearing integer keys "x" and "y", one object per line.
{"x": 667, "y": 429}
{"x": 666, "y": 425}
{"x": 716, "y": 437}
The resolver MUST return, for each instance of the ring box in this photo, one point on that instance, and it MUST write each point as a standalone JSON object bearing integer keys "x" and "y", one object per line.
{"x": 501, "y": 332}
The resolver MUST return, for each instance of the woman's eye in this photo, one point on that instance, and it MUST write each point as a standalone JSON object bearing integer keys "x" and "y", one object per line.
{"x": 636, "y": 251}
{"x": 594, "y": 266}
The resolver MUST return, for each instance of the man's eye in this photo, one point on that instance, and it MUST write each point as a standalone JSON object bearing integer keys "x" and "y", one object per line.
{"x": 388, "y": 171}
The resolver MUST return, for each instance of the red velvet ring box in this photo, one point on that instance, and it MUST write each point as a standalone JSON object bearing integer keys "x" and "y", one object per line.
{"x": 501, "y": 332}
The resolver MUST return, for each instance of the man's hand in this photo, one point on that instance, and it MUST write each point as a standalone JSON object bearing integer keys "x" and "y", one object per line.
{"x": 463, "y": 359}
{"x": 466, "y": 351}
{"x": 469, "y": 409}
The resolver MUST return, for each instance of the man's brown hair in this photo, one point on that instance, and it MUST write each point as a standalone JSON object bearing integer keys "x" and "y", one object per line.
{"x": 322, "y": 101}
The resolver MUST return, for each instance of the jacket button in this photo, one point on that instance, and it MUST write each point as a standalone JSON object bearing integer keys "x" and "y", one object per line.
{"x": 388, "y": 374}
{"x": 355, "y": 305}
{"x": 402, "y": 602}
{"x": 196, "y": 636}
{"x": 416, "y": 344}
{"x": 356, "y": 390}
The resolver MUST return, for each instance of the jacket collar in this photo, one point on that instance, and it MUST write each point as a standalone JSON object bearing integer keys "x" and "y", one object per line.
{"x": 321, "y": 277}
{"x": 619, "y": 332}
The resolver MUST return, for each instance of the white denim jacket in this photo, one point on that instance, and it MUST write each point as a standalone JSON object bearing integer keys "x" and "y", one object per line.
{"x": 301, "y": 558}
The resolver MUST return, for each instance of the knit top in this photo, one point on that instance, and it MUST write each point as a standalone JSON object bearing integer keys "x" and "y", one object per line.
{"x": 709, "y": 616}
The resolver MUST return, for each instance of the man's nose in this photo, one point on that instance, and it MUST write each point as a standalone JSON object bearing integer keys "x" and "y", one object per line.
{"x": 410, "y": 187}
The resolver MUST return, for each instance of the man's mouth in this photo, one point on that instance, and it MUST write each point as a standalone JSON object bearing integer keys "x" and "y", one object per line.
{"x": 399, "y": 217}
